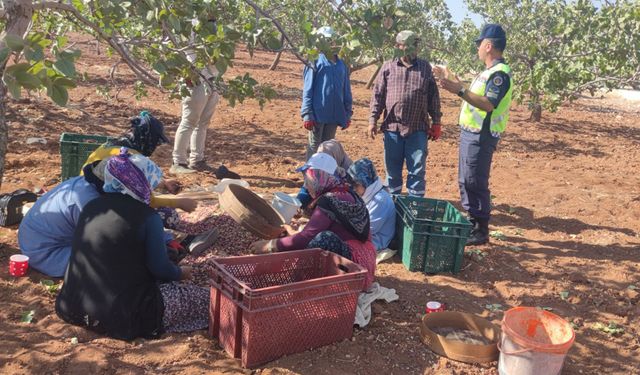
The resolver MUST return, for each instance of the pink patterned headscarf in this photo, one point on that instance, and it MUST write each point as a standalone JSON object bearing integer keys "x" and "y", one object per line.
{"x": 133, "y": 175}
{"x": 318, "y": 182}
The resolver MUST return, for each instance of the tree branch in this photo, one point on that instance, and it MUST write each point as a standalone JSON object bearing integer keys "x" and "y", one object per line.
{"x": 278, "y": 26}
{"x": 139, "y": 71}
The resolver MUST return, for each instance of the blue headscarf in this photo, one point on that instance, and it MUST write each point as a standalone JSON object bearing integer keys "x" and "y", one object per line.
{"x": 363, "y": 172}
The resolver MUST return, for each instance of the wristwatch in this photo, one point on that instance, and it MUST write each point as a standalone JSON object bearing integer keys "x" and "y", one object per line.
{"x": 461, "y": 92}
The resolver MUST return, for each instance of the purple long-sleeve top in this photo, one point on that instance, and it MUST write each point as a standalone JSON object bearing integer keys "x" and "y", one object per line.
{"x": 318, "y": 222}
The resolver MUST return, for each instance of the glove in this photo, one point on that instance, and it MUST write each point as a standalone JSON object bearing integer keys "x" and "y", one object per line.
{"x": 347, "y": 125}
{"x": 435, "y": 131}
{"x": 309, "y": 124}
{"x": 175, "y": 245}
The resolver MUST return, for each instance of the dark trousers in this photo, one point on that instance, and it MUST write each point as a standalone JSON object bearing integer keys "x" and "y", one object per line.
{"x": 474, "y": 165}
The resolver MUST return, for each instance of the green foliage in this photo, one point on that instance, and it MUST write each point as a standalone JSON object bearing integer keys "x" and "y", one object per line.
{"x": 612, "y": 328}
{"x": 559, "y": 49}
{"x": 39, "y": 72}
{"x": 27, "y": 316}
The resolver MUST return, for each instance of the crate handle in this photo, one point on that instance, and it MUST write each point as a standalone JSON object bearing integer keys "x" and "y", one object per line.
{"x": 343, "y": 268}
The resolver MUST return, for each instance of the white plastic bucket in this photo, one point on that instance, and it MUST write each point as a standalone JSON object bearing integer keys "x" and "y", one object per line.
{"x": 219, "y": 188}
{"x": 533, "y": 342}
{"x": 286, "y": 205}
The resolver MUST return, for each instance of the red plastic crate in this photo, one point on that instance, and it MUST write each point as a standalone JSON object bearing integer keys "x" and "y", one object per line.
{"x": 266, "y": 306}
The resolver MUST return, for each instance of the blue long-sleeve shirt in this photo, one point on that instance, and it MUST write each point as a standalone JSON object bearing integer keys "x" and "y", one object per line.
{"x": 382, "y": 215}
{"x": 326, "y": 95}
{"x": 46, "y": 232}
{"x": 152, "y": 233}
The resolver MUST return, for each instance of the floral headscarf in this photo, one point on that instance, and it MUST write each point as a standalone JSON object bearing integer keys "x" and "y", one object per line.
{"x": 133, "y": 175}
{"x": 318, "y": 182}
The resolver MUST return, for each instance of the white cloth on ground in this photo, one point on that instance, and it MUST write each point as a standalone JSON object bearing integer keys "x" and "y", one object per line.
{"x": 375, "y": 292}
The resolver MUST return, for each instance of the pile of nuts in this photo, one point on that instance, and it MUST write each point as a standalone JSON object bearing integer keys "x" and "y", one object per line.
{"x": 232, "y": 240}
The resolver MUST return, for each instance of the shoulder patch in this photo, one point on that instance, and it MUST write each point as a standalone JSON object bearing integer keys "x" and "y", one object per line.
{"x": 498, "y": 81}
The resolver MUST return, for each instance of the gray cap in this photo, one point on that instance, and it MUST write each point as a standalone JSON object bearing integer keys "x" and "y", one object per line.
{"x": 407, "y": 37}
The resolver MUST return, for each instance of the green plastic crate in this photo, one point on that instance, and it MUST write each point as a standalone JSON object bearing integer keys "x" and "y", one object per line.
{"x": 431, "y": 234}
{"x": 74, "y": 151}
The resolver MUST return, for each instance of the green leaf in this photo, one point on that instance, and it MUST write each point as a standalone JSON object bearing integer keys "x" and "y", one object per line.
{"x": 27, "y": 80}
{"x": 4, "y": 54}
{"x": 273, "y": 43}
{"x": 65, "y": 67}
{"x": 58, "y": 94}
{"x": 12, "y": 85}
{"x": 515, "y": 248}
{"x": 27, "y": 316}
{"x": 33, "y": 54}
{"x": 15, "y": 43}
{"x": 564, "y": 295}
{"x": 21, "y": 67}
{"x": 65, "y": 82}
{"x": 494, "y": 307}
{"x": 498, "y": 235}
{"x": 632, "y": 287}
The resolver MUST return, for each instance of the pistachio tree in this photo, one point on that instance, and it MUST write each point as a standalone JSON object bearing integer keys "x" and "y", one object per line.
{"x": 561, "y": 49}
{"x": 164, "y": 43}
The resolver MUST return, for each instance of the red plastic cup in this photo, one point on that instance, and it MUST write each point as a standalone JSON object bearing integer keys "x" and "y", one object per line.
{"x": 18, "y": 265}
{"x": 434, "y": 306}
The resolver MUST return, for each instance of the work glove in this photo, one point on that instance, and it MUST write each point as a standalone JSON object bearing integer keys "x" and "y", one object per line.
{"x": 175, "y": 245}
{"x": 309, "y": 124}
{"x": 435, "y": 131}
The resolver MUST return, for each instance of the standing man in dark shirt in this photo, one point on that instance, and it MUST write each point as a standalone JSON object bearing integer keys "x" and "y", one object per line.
{"x": 483, "y": 119}
{"x": 406, "y": 95}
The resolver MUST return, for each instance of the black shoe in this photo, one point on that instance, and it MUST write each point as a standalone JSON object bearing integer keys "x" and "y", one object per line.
{"x": 480, "y": 233}
{"x": 201, "y": 166}
{"x": 224, "y": 172}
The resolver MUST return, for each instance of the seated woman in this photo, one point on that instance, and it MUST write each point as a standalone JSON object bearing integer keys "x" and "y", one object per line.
{"x": 46, "y": 231}
{"x": 339, "y": 222}
{"x": 333, "y": 148}
{"x": 145, "y": 135}
{"x": 120, "y": 281}
{"x": 382, "y": 213}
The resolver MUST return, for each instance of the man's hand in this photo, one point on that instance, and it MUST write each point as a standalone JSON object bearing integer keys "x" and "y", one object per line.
{"x": 373, "y": 130}
{"x": 347, "y": 125}
{"x": 309, "y": 125}
{"x": 172, "y": 186}
{"x": 186, "y": 273}
{"x": 435, "y": 131}
{"x": 187, "y": 204}
{"x": 453, "y": 86}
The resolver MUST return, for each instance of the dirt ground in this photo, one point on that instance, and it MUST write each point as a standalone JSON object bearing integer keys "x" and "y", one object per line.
{"x": 567, "y": 208}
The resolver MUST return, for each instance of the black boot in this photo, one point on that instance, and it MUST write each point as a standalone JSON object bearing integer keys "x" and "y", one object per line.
{"x": 480, "y": 233}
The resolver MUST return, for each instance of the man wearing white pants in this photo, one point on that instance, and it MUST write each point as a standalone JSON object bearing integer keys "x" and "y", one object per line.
{"x": 197, "y": 111}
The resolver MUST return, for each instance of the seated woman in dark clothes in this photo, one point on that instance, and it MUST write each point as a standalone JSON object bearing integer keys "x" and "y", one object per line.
{"x": 120, "y": 281}
{"x": 339, "y": 222}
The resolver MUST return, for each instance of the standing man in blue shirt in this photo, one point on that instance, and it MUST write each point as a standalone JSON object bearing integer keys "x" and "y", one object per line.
{"x": 483, "y": 119}
{"x": 326, "y": 96}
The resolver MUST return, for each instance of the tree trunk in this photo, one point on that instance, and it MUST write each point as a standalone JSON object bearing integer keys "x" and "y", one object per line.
{"x": 373, "y": 76}
{"x": 275, "y": 62}
{"x": 536, "y": 113}
{"x": 17, "y": 18}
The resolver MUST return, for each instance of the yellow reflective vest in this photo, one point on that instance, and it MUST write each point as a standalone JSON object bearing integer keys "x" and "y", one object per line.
{"x": 471, "y": 118}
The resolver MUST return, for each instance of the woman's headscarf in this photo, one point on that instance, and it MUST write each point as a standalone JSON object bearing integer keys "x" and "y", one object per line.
{"x": 322, "y": 187}
{"x": 363, "y": 172}
{"x": 133, "y": 175}
{"x": 334, "y": 148}
{"x": 145, "y": 135}
{"x": 318, "y": 182}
